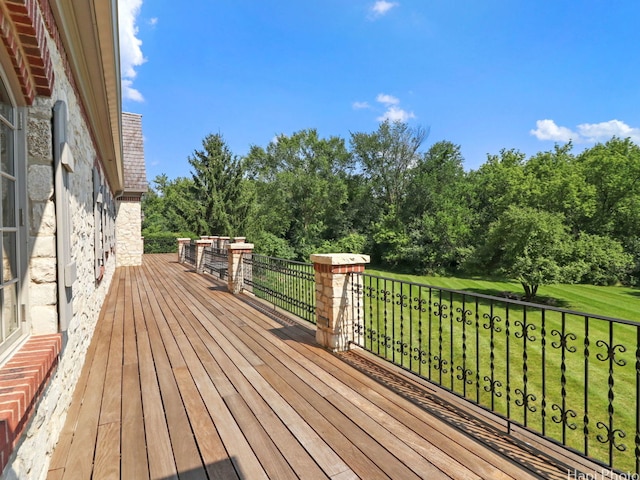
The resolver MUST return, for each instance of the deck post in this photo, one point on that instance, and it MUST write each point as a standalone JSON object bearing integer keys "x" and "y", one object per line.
{"x": 337, "y": 308}
{"x": 235, "y": 272}
{"x": 223, "y": 243}
{"x": 200, "y": 246}
{"x": 182, "y": 243}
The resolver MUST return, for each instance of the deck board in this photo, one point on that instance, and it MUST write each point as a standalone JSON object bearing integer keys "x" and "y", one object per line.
{"x": 184, "y": 380}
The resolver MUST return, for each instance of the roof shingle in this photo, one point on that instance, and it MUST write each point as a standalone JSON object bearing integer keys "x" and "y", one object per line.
{"x": 135, "y": 174}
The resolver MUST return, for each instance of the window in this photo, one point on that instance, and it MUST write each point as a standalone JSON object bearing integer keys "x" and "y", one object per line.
{"x": 10, "y": 278}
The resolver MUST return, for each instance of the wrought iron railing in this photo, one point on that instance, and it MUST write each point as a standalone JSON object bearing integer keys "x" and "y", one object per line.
{"x": 287, "y": 284}
{"x": 159, "y": 244}
{"x": 190, "y": 253}
{"x": 571, "y": 377}
{"x": 215, "y": 261}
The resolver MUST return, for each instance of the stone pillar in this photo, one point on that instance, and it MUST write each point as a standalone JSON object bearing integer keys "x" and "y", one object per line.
{"x": 235, "y": 277}
{"x": 182, "y": 243}
{"x": 129, "y": 241}
{"x": 223, "y": 242}
{"x": 336, "y": 304}
{"x": 239, "y": 239}
{"x": 200, "y": 246}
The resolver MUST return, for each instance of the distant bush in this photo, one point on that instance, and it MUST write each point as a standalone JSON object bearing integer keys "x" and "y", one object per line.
{"x": 351, "y": 243}
{"x": 163, "y": 242}
{"x": 273, "y": 246}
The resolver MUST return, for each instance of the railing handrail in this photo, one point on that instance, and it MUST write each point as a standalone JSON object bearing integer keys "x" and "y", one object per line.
{"x": 285, "y": 260}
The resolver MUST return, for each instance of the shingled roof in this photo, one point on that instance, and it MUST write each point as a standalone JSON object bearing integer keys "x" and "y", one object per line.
{"x": 135, "y": 174}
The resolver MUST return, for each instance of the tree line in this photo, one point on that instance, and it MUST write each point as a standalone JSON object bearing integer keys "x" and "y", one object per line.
{"x": 553, "y": 217}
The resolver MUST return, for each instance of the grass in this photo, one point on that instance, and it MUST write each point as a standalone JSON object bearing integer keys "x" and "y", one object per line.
{"x": 614, "y": 301}
{"x": 553, "y": 372}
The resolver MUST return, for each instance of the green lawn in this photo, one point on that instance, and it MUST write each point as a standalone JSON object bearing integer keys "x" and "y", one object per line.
{"x": 617, "y": 301}
{"x": 571, "y": 378}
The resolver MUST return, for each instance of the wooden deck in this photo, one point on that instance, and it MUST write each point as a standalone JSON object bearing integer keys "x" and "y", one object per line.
{"x": 184, "y": 380}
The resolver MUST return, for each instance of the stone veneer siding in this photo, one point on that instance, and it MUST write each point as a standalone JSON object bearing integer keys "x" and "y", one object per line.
{"x": 336, "y": 311}
{"x": 32, "y": 455}
{"x": 129, "y": 243}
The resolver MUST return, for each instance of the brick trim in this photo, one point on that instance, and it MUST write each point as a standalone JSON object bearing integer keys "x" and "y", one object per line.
{"x": 24, "y": 35}
{"x": 22, "y": 382}
{"x": 130, "y": 199}
{"x": 23, "y": 28}
{"x": 326, "y": 268}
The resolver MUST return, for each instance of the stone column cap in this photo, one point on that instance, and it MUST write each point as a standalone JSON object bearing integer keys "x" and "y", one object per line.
{"x": 340, "y": 258}
{"x": 240, "y": 246}
{"x": 203, "y": 241}
{"x": 184, "y": 239}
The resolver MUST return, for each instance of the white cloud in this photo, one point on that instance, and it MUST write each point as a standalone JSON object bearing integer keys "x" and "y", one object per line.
{"x": 391, "y": 104}
{"x": 381, "y": 7}
{"x": 130, "y": 47}
{"x": 396, "y": 114}
{"x": 598, "y": 132}
{"x": 586, "y": 132}
{"x": 360, "y": 105}
{"x": 130, "y": 93}
{"x": 393, "y": 113}
{"x": 387, "y": 99}
{"x": 548, "y": 130}
{"x": 153, "y": 21}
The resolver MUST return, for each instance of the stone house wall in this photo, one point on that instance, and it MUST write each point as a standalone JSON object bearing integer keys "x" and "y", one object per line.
{"x": 31, "y": 458}
{"x": 129, "y": 244}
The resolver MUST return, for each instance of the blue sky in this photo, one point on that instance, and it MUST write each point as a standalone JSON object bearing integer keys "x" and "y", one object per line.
{"x": 485, "y": 75}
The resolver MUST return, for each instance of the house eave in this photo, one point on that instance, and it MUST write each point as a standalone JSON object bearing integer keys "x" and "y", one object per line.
{"x": 89, "y": 32}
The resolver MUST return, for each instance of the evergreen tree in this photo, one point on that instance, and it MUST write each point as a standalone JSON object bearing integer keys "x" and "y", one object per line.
{"x": 219, "y": 188}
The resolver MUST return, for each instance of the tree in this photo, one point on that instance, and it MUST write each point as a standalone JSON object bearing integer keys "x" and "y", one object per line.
{"x": 496, "y": 185}
{"x": 613, "y": 170}
{"x": 301, "y": 183}
{"x": 218, "y": 184}
{"x": 531, "y": 246}
{"x": 387, "y": 156}
{"x": 437, "y": 210}
{"x": 600, "y": 260}
{"x": 555, "y": 182}
{"x": 170, "y": 206}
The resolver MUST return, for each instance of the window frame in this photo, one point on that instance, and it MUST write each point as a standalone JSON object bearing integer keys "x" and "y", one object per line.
{"x": 16, "y": 338}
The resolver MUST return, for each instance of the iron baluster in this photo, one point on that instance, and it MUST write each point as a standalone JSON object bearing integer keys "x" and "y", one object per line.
{"x": 508, "y": 379}
{"x": 451, "y": 362}
{"x": 543, "y": 334}
{"x": 611, "y": 432}
{"x": 465, "y": 373}
{"x": 493, "y": 329}
{"x": 564, "y": 413}
{"x": 585, "y": 428}
{"x": 637, "y": 439}
{"x": 527, "y": 398}
{"x": 477, "y": 352}
{"x": 439, "y": 361}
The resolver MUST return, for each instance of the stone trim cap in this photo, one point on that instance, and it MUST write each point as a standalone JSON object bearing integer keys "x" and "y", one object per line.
{"x": 340, "y": 258}
{"x": 240, "y": 246}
